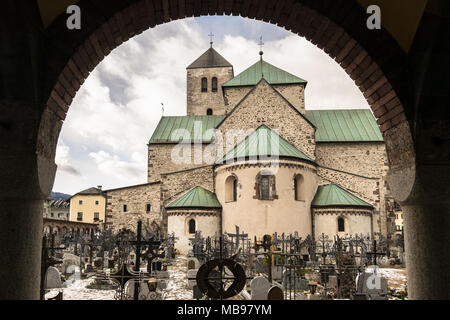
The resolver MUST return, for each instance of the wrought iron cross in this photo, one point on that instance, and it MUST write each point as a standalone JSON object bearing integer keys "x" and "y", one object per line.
{"x": 375, "y": 253}
{"x": 139, "y": 243}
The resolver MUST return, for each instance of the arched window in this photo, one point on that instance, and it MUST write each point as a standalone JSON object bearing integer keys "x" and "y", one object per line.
{"x": 192, "y": 226}
{"x": 265, "y": 186}
{"x": 298, "y": 188}
{"x": 231, "y": 189}
{"x": 204, "y": 85}
{"x": 214, "y": 84}
{"x": 209, "y": 112}
{"x": 341, "y": 225}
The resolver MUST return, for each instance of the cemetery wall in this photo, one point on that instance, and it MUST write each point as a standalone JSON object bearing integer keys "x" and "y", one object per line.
{"x": 264, "y": 105}
{"x": 207, "y": 221}
{"x": 259, "y": 217}
{"x": 136, "y": 199}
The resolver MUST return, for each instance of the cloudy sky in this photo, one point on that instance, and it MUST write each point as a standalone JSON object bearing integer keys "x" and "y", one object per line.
{"x": 105, "y": 135}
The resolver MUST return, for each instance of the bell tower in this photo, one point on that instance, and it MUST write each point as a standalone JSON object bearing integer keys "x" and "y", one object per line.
{"x": 205, "y": 77}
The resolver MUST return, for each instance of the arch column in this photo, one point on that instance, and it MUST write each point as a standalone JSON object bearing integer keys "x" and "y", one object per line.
{"x": 424, "y": 194}
{"x": 21, "y": 199}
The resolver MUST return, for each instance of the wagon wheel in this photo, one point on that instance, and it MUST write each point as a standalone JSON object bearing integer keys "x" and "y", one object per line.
{"x": 220, "y": 285}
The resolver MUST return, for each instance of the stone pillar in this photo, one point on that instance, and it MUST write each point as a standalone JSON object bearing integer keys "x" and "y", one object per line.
{"x": 27, "y": 174}
{"x": 427, "y": 241}
{"x": 20, "y": 248}
{"x": 423, "y": 190}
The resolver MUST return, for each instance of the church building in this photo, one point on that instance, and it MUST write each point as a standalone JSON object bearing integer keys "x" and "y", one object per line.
{"x": 250, "y": 153}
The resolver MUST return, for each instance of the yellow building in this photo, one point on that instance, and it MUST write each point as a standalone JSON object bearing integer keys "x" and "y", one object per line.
{"x": 398, "y": 219}
{"x": 88, "y": 206}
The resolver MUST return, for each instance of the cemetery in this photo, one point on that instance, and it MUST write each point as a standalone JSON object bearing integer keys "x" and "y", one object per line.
{"x": 144, "y": 265}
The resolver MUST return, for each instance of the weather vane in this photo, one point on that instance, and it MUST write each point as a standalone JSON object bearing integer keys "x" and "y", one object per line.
{"x": 211, "y": 36}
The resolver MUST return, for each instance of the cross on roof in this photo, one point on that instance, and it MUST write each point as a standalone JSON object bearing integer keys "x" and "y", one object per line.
{"x": 211, "y": 35}
{"x": 261, "y": 43}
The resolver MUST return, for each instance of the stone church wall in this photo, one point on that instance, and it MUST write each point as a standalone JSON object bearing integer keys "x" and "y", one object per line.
{"x": 174, "y": 184}
{"x": 265, "y": 106}
{"x": 233, "y": 95}
{"x": 356, "y": 221}
{"x": 160, "y": 159}
{"x": 197, "y": 101}
{"x": 259, "y": 217}
{"x": 136, "y": 199}
{"x": 294, "y": 93}
{"x": 206, "y": 221}
{"x": 365, "y": 158}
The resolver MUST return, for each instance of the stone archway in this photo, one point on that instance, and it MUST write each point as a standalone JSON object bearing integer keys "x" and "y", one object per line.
{"x": 372, "y": 59}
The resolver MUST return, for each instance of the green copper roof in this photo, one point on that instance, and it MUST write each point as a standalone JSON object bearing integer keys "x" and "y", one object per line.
{"x": 272, "y": 74}
{"x": 263, "y": 142}
{"x": 332, "y": 195}
{"x": 165, "y": 131}
{"x": 357, "y": 125}
{"x": 197, "y": 197}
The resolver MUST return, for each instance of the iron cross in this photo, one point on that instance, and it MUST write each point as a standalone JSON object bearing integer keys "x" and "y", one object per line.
{"x": 261, "y": 43}
{"x": 211, "y": 38}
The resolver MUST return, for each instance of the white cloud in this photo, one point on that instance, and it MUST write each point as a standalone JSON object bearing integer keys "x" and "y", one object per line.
{"x": 62, "y": 159}
{"x": 112, "y": 164}
{"x": 118, "y": 107}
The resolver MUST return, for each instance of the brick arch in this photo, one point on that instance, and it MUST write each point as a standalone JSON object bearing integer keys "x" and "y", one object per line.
{"x": 371, "y": 58}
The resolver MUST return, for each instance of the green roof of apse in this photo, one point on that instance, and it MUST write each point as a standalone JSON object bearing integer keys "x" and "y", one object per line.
{"x": 272, "y": 75}
{"x": 263, "y": 142}
{"x": 332, "y": 195}
{"x": 197, "y": 197}
{"x": 358, "y": 125}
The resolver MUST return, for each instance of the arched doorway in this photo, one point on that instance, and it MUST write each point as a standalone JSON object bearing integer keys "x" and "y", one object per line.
{"x": 373, "y": 60}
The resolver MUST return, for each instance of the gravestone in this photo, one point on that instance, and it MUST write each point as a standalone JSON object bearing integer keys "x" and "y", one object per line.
{"x": 259, "y": 286}
{"x": 71, "y": 269}
{"x": 192, "y": 274}
{"x": 144, "y": 292}
{"x": 162, "y": 284}
{"x": 277, "y": 273}
{"x": 291, "y": 281}
{"x": 371, "y": 284}
{"x": 52, "y": 278}
{"x": 301, "y": 296}
{"x": 275, "y": 293}
{"x": 259, "y": 265}
{"x": 193, "y": 263}
{"x": 197, "y": 293}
